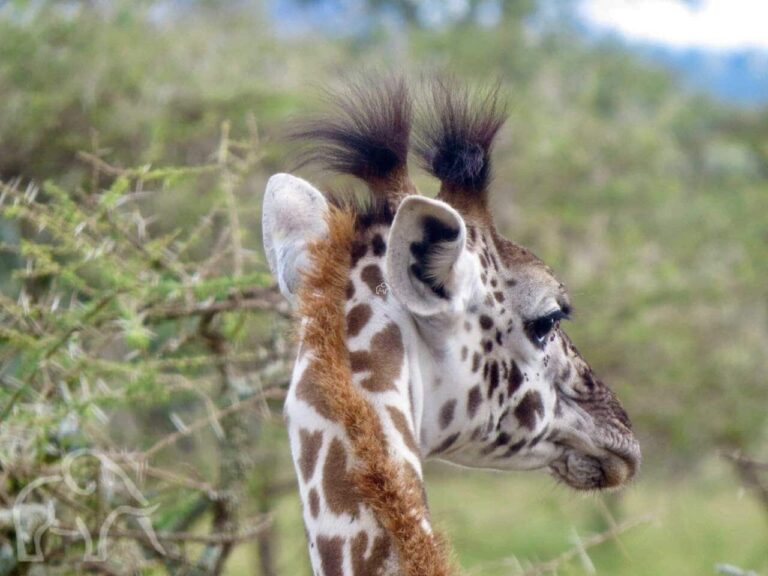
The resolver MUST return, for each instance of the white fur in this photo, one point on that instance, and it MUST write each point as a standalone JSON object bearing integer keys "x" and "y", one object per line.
{"x": 293, "y": 215}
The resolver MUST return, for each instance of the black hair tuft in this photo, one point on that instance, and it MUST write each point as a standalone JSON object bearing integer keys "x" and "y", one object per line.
{"x": 367, "y": 132}
{"x": 456, "y": 133}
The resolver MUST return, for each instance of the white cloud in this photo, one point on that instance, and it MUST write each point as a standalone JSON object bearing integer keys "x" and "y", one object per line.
{"x": 715, "y": 24}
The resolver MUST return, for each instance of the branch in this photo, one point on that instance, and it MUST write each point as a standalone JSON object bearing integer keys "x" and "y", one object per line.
{"x": 205, "y": 421}
{"x": 555, "y": 564}
{"x": 552, "y": 566}
{"x": 749, "y": 471}
{"x": 261, "y": 524}
{"x": 254, "y": 299}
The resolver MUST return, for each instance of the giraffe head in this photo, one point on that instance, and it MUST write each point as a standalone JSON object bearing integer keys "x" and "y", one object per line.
{"x": 507, "y": 388}
{"x": 501, "y": 384}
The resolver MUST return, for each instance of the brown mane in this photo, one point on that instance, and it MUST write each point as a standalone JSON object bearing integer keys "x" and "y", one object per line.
{"x": 393, "y": 494}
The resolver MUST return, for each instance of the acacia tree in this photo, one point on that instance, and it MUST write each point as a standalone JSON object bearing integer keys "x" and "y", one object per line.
{"x": 141, "y": 344}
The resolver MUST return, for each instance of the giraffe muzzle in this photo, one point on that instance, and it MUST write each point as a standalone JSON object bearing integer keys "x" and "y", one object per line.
{"x": 609, "y": 463}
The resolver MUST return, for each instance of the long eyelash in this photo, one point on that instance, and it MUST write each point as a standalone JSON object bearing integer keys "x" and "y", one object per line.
{"x": 558, "y": 315}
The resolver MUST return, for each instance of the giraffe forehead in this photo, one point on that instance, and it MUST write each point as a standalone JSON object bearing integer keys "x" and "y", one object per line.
{"x": 512, "y": 270}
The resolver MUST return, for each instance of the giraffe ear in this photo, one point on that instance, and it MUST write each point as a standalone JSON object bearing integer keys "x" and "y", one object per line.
{"x": 428, "y": 267}
{"x": 293, "y": 215}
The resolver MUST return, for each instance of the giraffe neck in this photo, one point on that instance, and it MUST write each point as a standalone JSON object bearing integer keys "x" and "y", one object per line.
{"x": 353, "y": 413}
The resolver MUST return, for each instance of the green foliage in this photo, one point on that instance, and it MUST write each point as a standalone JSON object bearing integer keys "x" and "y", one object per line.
{"x": 109, "y": 319}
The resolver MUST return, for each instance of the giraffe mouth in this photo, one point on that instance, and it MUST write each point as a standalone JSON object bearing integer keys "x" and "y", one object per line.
{"x": 598, "y": 468}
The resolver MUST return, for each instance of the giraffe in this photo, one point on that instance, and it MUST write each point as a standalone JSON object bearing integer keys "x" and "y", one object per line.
{"x": 423, "y": 333}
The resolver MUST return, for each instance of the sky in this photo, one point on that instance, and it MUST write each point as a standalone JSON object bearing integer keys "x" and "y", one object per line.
{"x": 722, "y": 25}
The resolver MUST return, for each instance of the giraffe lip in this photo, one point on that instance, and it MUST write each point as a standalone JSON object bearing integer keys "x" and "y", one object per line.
{"x": 606, "y": 468}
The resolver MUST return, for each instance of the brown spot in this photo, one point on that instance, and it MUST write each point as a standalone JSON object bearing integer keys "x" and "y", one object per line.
{"x": 514, "y": 379}
{"x": 473, "y": 401}
{"x": 485, "y": 322}
{"x": 502, "y": 439}
{"x": 372, "y": 276}
{"x": 502, "y": 417}
{"x": 307, "y": 391}
{"x": 447, "y": 443}
{"x": 499, "y": 296}
{"x": 529, "y": 408}
{"x": 488, "y": 346}
{"x": 341, "y": 496}
{"x": 331, "y": 555}
{"x": 538, "y": 437}
{"x": 360, "y": 361}
{"x": 513, "y": 449}
{"x": 378, "y": 245}
{"x": 401, "y": 423}
{"x": 311, "y": 442}
{"x": 494, "y": 378}
{"x": 314, "y": 503}
{"x": 375, "y": 563}
{"x": 350, "y": 290}
{"x": 359, "y": 249}
{"x": 476, "y": 361}
{"x": 357, "y": 318}
{"x": 384, "y": 360}
{"x": 446, "y": 414}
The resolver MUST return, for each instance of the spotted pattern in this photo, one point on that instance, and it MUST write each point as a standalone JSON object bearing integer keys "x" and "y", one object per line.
{"x": 529, "y": 409}
{"x": 402, "y": 426}
{"x": 375, "y": 562}
{"x": 341, "y": 496}
{"x": 311, "y": 442}
{"x": 474, "y": 398}
{"x": 493, "y": 412}
{"x": 374, "y": 279}
{"x": 314, "y": 503}
{"x": 446, "y": 414}
{"x": 383, "y": 361}
{"x": 309, "y": 393}
{"x": 357, "y": 318}
{"x": 331, "y": 553}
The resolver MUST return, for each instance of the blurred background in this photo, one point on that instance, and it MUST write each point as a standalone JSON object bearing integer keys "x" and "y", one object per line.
{"x": 138, "y": 322}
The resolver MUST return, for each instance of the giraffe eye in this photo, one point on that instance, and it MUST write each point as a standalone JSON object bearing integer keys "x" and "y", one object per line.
{"x": 539, "y": 329}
